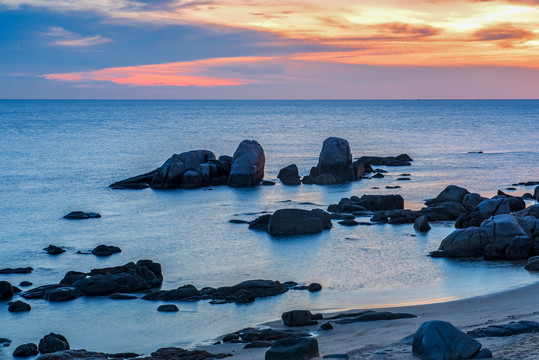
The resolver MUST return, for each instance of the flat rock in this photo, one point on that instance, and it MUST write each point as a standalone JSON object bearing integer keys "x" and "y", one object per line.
{"x": 105, "y": 250}
{"x": 510, "y": 329}
{"x": 257, "y": 345}
{"x": 373, "y": 316}
{"x": 182, "y": 354}
{"x": 119, "y": 296}
{"x": 247, "y": 291}
{"x": 293, "y": 349}
{"x": 81, "y": 215}
{"x": 285, "y": 222}
{"x": 168, "y": 308}
{"x": 20, "y": 270}
{"x": 251, "y": 334}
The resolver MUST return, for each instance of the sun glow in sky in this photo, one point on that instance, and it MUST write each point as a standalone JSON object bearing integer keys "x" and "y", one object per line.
{"x": 244, "y": 45}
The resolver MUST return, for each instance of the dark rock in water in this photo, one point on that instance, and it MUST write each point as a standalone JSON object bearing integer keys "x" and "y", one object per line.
{"x": 403, "y": 179}
{"x": 335, "y": 164}
{"x": 6, "y": 290}
{"x": 183, "y": 293}
{"x": 372, "y": 316}
{"x": 131, "y": 277}
{"x": 251, "y": 334}
{"x": 475, "y": 152}
{"x": 5, "y": 342}
{"x": 182, "y": 354}
{"x": 318, "y": 316}
{"x": 19, "y": 306}
{"x": 342, "y": 216}
{"x": 527, "y": 196}
{"x": 81, "y": 215}
{"x": 379, "y": 171}
{"x": 441, "y": 340}
{"x": 124, "y": 355}
{"x": 393, "y": 187}
{"x": 42, "y": 292}
{"x": 533, "y": 264}
{"x": 382, "y": 202}
{"x": 247, "y": 291}
{"x": 421, "y": 224}
{"x": 16, "y": 290}
{"x": 511, "y": 188}
{"x": 379, "y": 216}
{"x": 499, "y": 237}
{"x": 402, "y": 216}
{"x": 257, "y": 345}
{"x": 188, "y": 169}
{"x": 298, "y": 222}
{"x": 326, "y": 326}
{"x": 377, "y": 176}
{"x": 168, "y": 308}
{"x": 105, "y": 250}
{"x": 119, "y": 296}
{"x": 25, "y": 270}
{"x": 52, "y": 343}
{"x": 135, "y": 183}
{"x": 289, "y": 175}
{"x": 62, "y": 294}
{"x": 510, "y": 329}
{"x": 25, "y": 283}
{"x": 248, "y": 165}
{"x": 293, "y": 349}
{"x": 443, "y": 211}
{"x": 349, "y": 223}
{"x": 298, "y": 318}
{"x": 267, "y": 183}
{"x": 452, "y": 193}
{"x": 54, "y": 250}
{"x": 25, "y": 350}
{"x": 408, "y": 175}
{"x": 336, "y": 356}
{"x": 260, "y": 223}
{"x": 314, "y": 287}
{"x": 401, "y": 160}
{"x": 237, "y": 221}
{"x": 78, "y": 354}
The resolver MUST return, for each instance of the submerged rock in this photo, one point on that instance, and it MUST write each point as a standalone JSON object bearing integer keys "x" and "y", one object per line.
{"x": 247, "y": 165}
{"x": 81, "y": 215}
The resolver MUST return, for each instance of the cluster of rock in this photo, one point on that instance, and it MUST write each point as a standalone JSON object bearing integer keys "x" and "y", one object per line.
{"x": 286, "y": 222}
{"x": 48, "y": 344}
{"x": 198, "y": 168}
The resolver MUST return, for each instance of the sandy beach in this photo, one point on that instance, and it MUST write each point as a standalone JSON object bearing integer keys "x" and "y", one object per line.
{"x": 380, "y": 339}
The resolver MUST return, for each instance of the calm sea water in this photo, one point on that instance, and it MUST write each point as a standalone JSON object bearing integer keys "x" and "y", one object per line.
{"x": 60, "y": 156}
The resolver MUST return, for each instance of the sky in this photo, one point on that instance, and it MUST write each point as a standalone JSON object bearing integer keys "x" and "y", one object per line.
{"x": 251, "y": 49}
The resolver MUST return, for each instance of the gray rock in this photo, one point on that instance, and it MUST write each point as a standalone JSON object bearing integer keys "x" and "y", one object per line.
{"x": 52, "y": 343}
{"x": 421, "y": 224}
{"x": 25, "y": 350}
{"x": 248, "y": 165}
{"x": 289, "y": 175}
{"x": 5, "y": 342}
{"x": 19, "y": 306}
{"x": 348, "y": 223}
{"x": 314, "y": 287}
{"x": 441, "y": 340}
{"x": 293, "y": 349}
{"x": 403, "y": 216}
{"x": 342, "y": 216}
{"x": 119, "y": 296}
{"x": 298, "y": 318}
{"x": 286, "y": 222}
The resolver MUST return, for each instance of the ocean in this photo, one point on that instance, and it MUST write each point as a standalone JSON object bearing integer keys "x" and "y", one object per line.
{"x": 60, "y": 156}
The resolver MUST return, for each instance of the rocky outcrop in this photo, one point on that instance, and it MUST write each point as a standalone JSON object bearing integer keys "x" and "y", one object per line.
{"x": 247, "y": 165}
{"x": 293, "y": 349}
{"x": 499, "y": 237}
{"x": 286, "y": 222}
{"x": 510, "y": 329}
{"x": 441, "y": 340}
{"x": 298, "y": 318}
{"x": 335, "y": 164}
{"x": 250, "y": 334}
{"x": 81, "y": 215}
{"x": 131, "y": 277}
{"x": 400, "y": 160}
{"x": 289, "y": 175}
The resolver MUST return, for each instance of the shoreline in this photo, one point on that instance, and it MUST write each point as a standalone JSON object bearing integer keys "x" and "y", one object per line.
{"x": 380, "y": 339}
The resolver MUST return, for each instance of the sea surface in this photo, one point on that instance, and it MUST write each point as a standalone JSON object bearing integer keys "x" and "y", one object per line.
{"x": 60, "y": 156}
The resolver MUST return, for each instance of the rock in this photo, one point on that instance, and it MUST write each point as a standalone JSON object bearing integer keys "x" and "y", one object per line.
{"x": 326, "y": 179}
{"x": 499, "y": 237}
{"x": 289, "y": 175}
{"x": 257, "y": 345}
{"x": 247, "y": 165}
{"x": 25, "y": 283}
{"x": 336, "y": 356}
{"x": 298, "y": 318}
{"x": 25, "y": 350}
{"x": 6, "y": 290}
{"x": 18, "y": 306}
{"x": 119, "y": 296}
{"x": 401, "y": 160}
{"x": 25, "y": 270}
{"x": 326, "y": 326}
{"x": 267, "y": 183}
{"x": 260, "y": 223}
{"x": 247, "y": 291}
{"x": 533, "y": 264}
{"x": 65, "y": 293}
{"x": 168, "y": 308}
{"x": 5, "y": 342}
{"x": 78, "y": 354}
{"x": 441, "y": 340}
{"x": 382, "y": 202}
{"x": 81, "y": 215}
{"x": 52, "y": 343}
{"x": 188, "y": 169}
{"x": 536, "y": 193}
{"x": 529, "y": 211}
{"x": 452, "y": 193}
{"x": 342, "y": 216}
{"x": 349, "y": 223}
{"x": 182, "y": 354}
{"x": 513, "y": 328}
{"x": 105, "y": 250}
{"x": 40, "y": 291}
{"x": 527, "y": 196}
{"x": 403, "y": 216}
{"x": 183, "y": 293}
{"x": 403, "y": 179}
{"x": 379, "y": 216}
{"x": 238, "y": 221}
{"x": 393, "y": 187}
{"x": 286, "y": 222}
{"x": 471, "y": 200}
{"x": 484, "y": 210}
{"x": 293, "y": 349}
{"x": 251, "y": 334}
{"x": 377, "y": 176}
{"x": 421, "y": 224}
{"x": 131, "y": 277}
{"x": 516, "y": 203}
{"x": 443, "y": 211}
{"x": 365, "y": 316}
{"x": 314, "y": 287}
{"x": 54, "y": 250}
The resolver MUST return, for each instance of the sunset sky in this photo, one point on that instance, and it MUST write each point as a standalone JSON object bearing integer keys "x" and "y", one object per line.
{"x": 241, "y": 49}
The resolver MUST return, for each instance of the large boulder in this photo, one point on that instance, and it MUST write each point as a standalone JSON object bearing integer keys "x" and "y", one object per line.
{"x": 293, "y": 349}
{"x": 289, "y": 175}
{"x": 171, "y": 174}
{"x": 421, "y": 224}
{"x": 335, "y": 164}
{"x": 499, "y": 237}
{"x": 247, "y": 165}
{"x": 298, "y": 222}
{"x": 440, "y": 340}
{"x": 452, "y": 193}
{"x": 131, "y": 277}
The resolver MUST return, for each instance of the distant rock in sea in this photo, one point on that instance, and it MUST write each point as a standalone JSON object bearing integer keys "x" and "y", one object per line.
{"x": 81, "y": 215}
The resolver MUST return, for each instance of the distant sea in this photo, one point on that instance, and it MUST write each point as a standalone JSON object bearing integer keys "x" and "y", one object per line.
{"x": 60, "y": 156}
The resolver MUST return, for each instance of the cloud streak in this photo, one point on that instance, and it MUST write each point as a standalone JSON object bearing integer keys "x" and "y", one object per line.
{"x": 67, "y": 38}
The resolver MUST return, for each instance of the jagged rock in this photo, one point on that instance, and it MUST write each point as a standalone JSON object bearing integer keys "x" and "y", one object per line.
{"x": 293, "y": 349}
{"x": 52, "y": 343}
{"x": 441, "y": 340}
{"x": 298, "y": 222}
{"x": 484, "y": 210}
{"x": 168, "y": 308}
{"x": 25, "y": 350}
{"x": 6, "y": 290}
{"x": 513, "y": 328}
{"x": 298, "y": 318}
{"x": 131, "y": 277}
{"x": 248, "y": 165}
{"x": 183, "y": 293}
{"x": 452, "y": 193}
{"x": 25, "y": 270}
{"x": 421, "y": 224}
{"x": 81, "y": 215}
{"x": 289, "y": 175}
{"x": 54, "y": 250}
{"x": 19, "y": 306}
{"x": 105, "y": 250}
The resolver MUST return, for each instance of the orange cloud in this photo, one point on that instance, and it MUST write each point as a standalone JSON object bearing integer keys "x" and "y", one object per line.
{"x": 505, "y": 34}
